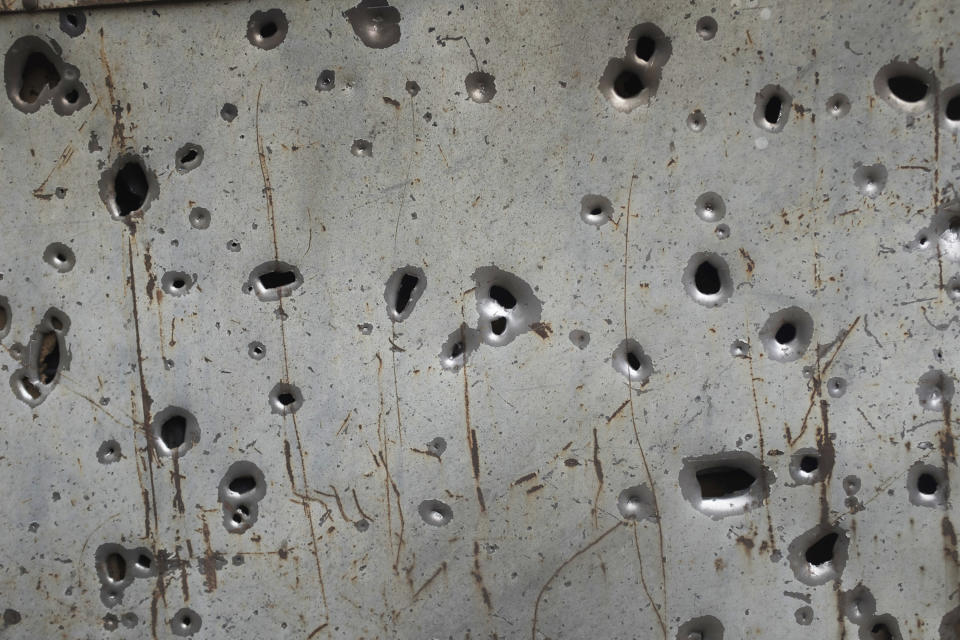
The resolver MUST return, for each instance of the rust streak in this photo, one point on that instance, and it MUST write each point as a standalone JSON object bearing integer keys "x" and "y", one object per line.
{"x": 598, "y": 469}
{"x": 471, "y": 433}
{"x": 62, "y": 160}
{"x": 534, "y": 488}
{"x": 336, "y": 496}
{"x": 522, "y": 479}
{"x": 357, "y": 502}
{"x": 440, "y": 569}
{"x": 763, "y": 476}
{"x": 208, "y": 562}
{"x": 267, "y": 188}
{"x": 478, "y": 576}
{"x": 118, "y": 139}
{"x": 617, "y": 412}
{"x": 643, "y": 581}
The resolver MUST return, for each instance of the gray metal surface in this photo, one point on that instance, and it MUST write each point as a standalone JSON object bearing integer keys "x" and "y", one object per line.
{"x": 270, "y": 386}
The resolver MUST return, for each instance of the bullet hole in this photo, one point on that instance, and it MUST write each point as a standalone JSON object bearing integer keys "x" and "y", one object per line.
{"x": 412, "y": 88}
{"x": 233, "y": 246}
{"x": 882, "y": 627}
{"x": 72, "y": 96}
{"x": 115, "y": 567}
{"x": 580, "y": 338}
{"x": 809, "y": 464}
{"x": 498, "y": 325}
{"x": 362, "y": 525}
{"x": 710, "y": 207}
{"x": 365, "y": 329}
{"x": 636, "y": 503}
{"x": 696, "y": 121}
{"x": 403, "y": 290}
{"x": 595, "y": 210}
{"x": 185, "y": 622}
{"x": 481, "y": 86}
{"x": 927, "y": 485}
{"x": 870, "y": 180}
{"x": 724, "y": 484}
{"x": 630, "y": 360}
{"x": 838, "y": 105}
{"x": 707, "y": 28}
{"x": 267, "y": 29}
{"x": 72, "y": 22}
{"x": 256, "y": 350}
{"x": 241, "y": 489}
{"x": 787, "y": 334}
{"x": 273, "y": 280}
{"x": 722, "y": 232}
{"x": 628, "y": 84}
{"x": 707, "y": 279}
{"x": 702, "y": 628}
{"x": 362, "y": 148}
{"x": 819, "y": 555}
{"x": 285, "y": 399}
{"x": 228, "y": 111}
{"x": 46, "y": 357}
{"x": 740, "y": 349}
{"x": 851, "y": 485}
{"x": 500, "y": 294}
{"x": 144, "y": 561}
{"x": 435, "y": 513}
{"x": 648, "y": 45}
{"x": 461, "y": 342}
{"x": 199, "y": 218}
{"x": 934, "y": 389}
{"x": 175, "y": 431}
{"x": 189, "y": 157}
{"x": 11, "y": 617}
{"x": 127, "y": 187}
{"x": 836, "y": 387}
{"x": 59, "y": 256}
{"x": 858, "y": 604}
{"x": 109, "y": 452}
{"x": 773, "y": 105}
{"x": 327, "y": 80}
{"x": 437, "y": 446}
{"x": 906, "y": 86}
{"x": 35, "y": 74}
{"x": 177, "y": 283}
{"x": 375, "y": 22}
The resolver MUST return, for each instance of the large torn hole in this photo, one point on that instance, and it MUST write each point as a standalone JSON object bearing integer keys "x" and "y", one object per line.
{"x": 724, "y": 482}
{"x": 38, "y": 72}
{"x": 402, "y": 291}
{"x": 175, "y": 431}
{"x": 819, "y": 555}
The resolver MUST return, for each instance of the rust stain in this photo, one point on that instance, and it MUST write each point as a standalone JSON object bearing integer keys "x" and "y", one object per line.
{"x": 357, "y": 503}
{"x": 471, "y": 432}
{"x": 949, "y": 540}
{"x": 617, "y": 412}
{"x": 763, "y": 476}
{"x": 522, "y": 479}
{"x": 746, "y": 542}
{"x": 750, "y": 263}
{"x": 176, "y": 476}
{"x": 598, "y": 469}
{"x": 267, "y": 187}
{"x": 827, "y": 452}
{"x": 62, "y": 161}
{"x": 208, "y": 564}
{"x": 542, "y": 329}
{"x": 947, "y": 447}
{"x": 441, "y": 569}
{"x": 534, "y": 488}
{"x": 118, "y": 140}
{"x": 390, "y": 101}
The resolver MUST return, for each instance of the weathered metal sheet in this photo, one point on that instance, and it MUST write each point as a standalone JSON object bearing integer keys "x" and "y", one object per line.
{"x": 577, "y": 320}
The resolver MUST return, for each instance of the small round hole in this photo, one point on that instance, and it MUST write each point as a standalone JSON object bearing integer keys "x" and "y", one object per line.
{"x": 771, "y": 113}
{"x": 268, "y": 30}
{"x": 809, "y": 464}
{"x": 706, "y": 28}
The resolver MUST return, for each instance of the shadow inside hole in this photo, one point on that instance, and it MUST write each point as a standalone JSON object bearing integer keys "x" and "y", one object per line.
{"x": 908, "y": 88}
{"x": 927, "y": 484}
{"x": 277, "y": 279}
{"x": 498, "y": 325}
{"x": 785, "y": 333}
{"x": 773, "y": 110}
{"x": 130, "y": 188}
{"x": 408, "y": 283}
{"x": 115, "y": 566}
{"x": 952, "y": 110}
{"x": 173, "y": 432}
{"x": 821, "y": 551}
{"x": 268, "y": 29}
{"x": 645, "y": 48}
{"x": 48, "y": 361}
{"x": 242, "y": 484}
{"x": 707, "y": 279}
{"x": 723, "y": 482}
{"x": 503, "y": 297}
{"x": 809, "y": 464}
{"x": 628, "y": 84}
{"x": 38, "y": 72}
